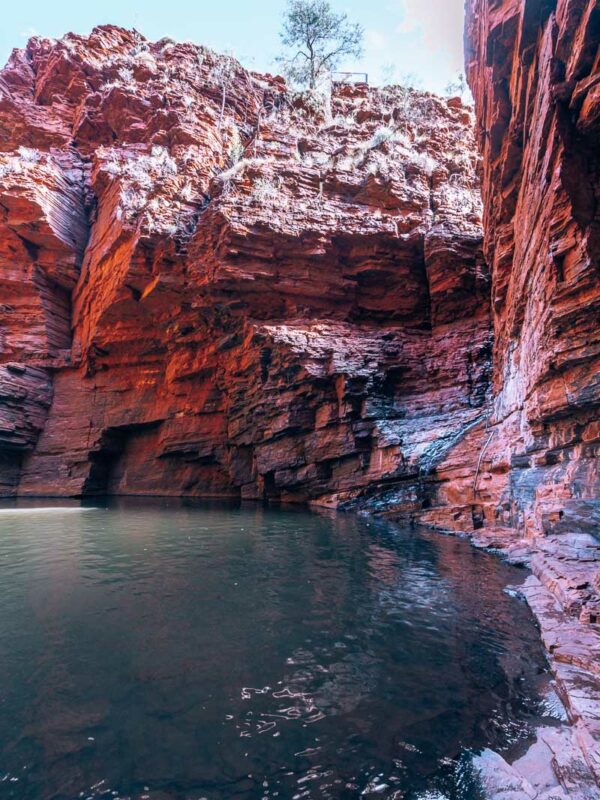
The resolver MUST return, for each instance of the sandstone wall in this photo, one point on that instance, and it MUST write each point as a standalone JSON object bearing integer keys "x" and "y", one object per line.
{"x": 534, "y": 69}
{"x": 227, "y": 289}
{"x": 218, "y": 287}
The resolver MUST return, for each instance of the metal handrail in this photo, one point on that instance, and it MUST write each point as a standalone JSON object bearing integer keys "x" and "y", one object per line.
{"x": 349, "y": 77}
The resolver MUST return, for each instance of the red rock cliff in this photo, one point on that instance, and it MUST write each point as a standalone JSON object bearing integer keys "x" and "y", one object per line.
{"x": 211, "y": 286}
{"x": 534, "y": 68}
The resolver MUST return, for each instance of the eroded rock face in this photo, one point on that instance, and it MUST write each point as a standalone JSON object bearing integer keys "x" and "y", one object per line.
{"x": 230, "y": 290}
{"x": 534, "y": 68}
{"x": 210, "y": 286}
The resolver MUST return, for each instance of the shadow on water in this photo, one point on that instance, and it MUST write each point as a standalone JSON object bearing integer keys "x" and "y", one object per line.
{"x": 179, "y": 650}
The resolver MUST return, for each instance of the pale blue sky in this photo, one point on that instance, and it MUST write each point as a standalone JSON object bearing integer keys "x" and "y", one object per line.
{"x": 422, "y": 37}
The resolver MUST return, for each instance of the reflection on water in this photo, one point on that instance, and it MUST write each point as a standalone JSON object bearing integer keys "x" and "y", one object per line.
{"x": 171, "y": 652}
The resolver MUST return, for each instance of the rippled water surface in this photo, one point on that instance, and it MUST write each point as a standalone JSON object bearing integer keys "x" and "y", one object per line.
{"x": 169, "y": 652}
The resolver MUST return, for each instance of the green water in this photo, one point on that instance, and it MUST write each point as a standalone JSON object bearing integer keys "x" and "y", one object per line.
{"x": 171, "y": 652}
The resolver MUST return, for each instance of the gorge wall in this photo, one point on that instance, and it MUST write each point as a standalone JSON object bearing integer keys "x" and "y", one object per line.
{"x": 213, "y": 286}
{"x": 534, "y": 69}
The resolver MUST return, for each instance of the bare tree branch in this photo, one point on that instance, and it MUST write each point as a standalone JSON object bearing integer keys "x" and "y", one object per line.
{"x": 312, "y": 30}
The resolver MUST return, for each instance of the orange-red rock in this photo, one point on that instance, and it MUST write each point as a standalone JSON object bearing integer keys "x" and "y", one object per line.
{"x": 534, "y": 68}
{"x": 235, "y": 290}
{"x": 212, "y": 286}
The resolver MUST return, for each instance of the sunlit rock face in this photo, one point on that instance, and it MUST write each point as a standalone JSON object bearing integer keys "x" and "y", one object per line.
{"x": 534, "y": 68}
{"x": 212, "y": 286}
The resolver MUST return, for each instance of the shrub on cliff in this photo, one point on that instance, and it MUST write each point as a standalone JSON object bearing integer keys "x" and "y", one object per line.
{"x": 381, "y": 135}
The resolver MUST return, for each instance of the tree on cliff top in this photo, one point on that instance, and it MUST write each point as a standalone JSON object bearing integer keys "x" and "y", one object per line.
{"x": 458, "y": 87}
{"x": 317, "y": 39}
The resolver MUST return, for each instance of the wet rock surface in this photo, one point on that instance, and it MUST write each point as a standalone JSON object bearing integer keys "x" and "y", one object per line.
{"x": 534, "y": 72}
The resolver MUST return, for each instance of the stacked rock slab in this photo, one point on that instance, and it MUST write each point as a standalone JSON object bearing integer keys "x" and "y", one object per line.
{"x": 534, "y": 70}
{"x": 228, "y": 289}
{"x": 212, "y": 286}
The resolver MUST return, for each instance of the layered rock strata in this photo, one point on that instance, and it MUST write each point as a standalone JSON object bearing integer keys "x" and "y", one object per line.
{"x": 534, "y": 69}
{"x": 535, "y": 72}
{"x": 231, "y": 289}
{"x": 212, "y": 286}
